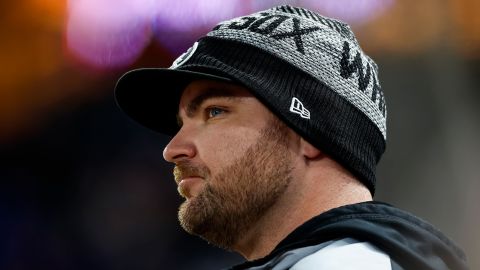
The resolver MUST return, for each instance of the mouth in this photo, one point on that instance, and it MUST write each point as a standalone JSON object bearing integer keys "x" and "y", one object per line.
{"x": 190, "y": 178}
{"x": 179, "y": 176}
{"x": 189, "y": 186}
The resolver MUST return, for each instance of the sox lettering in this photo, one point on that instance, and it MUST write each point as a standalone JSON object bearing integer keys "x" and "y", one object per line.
{"x": 267, "y": 23}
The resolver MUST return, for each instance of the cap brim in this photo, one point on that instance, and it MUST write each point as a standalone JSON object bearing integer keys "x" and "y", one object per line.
{"x": 150, "y": 96}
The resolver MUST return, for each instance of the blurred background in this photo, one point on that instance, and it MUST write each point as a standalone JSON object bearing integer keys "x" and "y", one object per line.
{"x": 83, "y": 187}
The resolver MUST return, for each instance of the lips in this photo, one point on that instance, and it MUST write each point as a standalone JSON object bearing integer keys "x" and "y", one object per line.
{"x": 189, "y": 178}
{"x": 179, "y": 176}
{"x": 189, "y": 186}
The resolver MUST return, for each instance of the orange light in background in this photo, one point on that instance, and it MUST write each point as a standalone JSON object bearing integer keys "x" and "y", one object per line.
{"x": 413, "y": 27}
{"x": 467, "y": 26}
{"x": 410, "y": 26}
{"x": 31, "y": 50}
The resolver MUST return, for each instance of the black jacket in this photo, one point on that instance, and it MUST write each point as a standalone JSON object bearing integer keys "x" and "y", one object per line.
{"x": 410, "y": 242}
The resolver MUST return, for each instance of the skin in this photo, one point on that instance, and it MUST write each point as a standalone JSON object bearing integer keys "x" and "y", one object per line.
{"x": 249, "y": 180}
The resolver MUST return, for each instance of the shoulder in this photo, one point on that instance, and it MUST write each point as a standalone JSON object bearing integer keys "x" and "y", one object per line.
{"x": 346, "y": 253}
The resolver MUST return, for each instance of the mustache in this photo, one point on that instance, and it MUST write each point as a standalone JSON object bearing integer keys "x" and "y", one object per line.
{"x": 187, "y": 169}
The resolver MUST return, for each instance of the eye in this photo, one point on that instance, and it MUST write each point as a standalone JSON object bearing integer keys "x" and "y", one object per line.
{"x": 214, "y": 112}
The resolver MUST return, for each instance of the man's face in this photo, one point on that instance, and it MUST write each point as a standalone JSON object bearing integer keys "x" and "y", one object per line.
{"x": 233, "y": 160}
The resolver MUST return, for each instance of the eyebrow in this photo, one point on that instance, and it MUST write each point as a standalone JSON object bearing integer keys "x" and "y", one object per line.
{"x": 195, "y": 103}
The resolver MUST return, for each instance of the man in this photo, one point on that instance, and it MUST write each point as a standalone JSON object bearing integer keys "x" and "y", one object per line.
{"x": 278, "y": 121}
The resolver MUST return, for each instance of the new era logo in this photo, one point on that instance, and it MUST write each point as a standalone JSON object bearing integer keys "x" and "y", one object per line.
{"x": 298, "y": 108}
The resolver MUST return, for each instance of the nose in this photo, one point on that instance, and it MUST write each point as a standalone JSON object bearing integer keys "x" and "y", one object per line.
{"x": 179, "y": 148}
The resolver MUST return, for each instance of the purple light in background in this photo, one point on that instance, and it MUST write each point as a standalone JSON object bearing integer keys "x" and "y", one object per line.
{"x": 113, "y": 33}
{"x": 179, "y": 23}
{"x": 109, "y": 33}
{"x": 258, "y": 5}
{"x": 351, "y": 11}
{"x": 183, "y": 15}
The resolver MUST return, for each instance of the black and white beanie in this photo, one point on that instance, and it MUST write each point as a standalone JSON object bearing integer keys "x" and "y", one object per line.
{"x": 309, "y": 70}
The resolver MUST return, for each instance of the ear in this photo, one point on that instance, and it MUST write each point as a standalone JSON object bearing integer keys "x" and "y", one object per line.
{"x": 309, "y": 151}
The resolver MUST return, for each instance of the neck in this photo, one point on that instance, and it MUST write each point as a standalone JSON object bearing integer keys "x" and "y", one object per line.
{"x": 303, "y": 200}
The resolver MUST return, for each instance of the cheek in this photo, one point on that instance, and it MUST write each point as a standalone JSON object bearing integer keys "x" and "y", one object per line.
{"x": 220, "y": 148}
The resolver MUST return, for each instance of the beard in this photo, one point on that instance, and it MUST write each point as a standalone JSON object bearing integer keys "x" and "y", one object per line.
{"x": 240, "y": 194}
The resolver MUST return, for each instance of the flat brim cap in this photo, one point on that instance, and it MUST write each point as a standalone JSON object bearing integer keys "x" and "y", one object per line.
{"x": 150, "y": 96}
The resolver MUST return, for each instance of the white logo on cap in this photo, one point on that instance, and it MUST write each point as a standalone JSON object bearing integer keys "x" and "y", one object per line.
{"x": 298, "y": 108}
{"x": 184, "y": 57}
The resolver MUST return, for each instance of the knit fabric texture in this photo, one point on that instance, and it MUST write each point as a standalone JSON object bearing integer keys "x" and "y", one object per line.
{"x": 308, "y": 69}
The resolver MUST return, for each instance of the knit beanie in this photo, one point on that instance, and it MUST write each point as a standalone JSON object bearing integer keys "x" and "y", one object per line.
{"x": 309, "y": 70}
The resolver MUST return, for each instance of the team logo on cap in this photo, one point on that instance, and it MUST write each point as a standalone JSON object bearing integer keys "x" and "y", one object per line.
{"x": 298, "y": 108}
{"x": 184, "y": 57}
